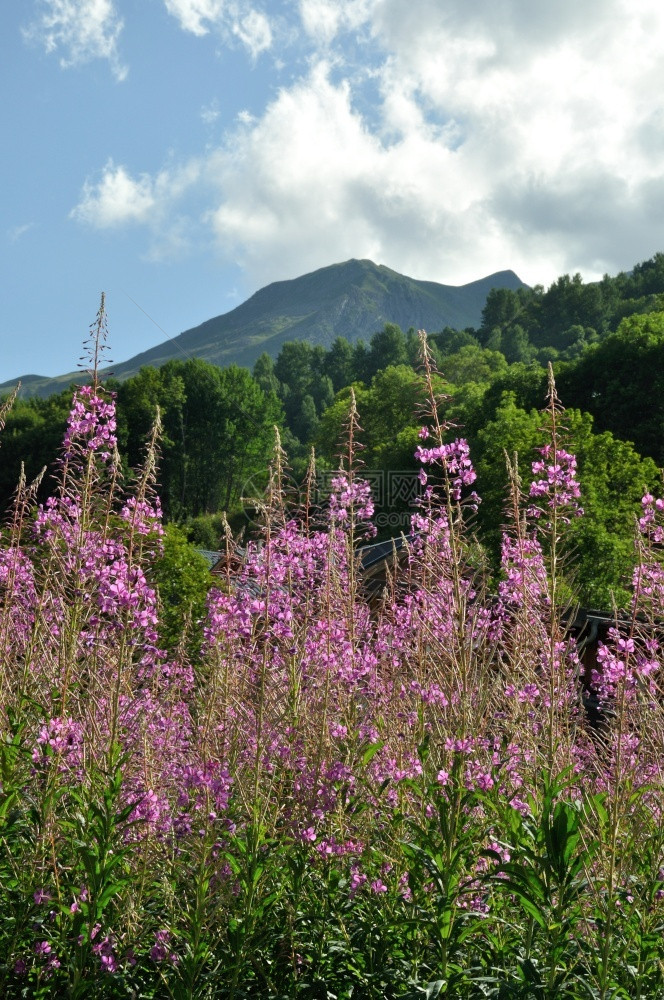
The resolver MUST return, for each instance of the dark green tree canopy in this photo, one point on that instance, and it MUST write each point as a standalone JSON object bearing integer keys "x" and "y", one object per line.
{"x": 388, "y": 348}
{"x": 621, "y": 382}
{"x": 217, "y": 431}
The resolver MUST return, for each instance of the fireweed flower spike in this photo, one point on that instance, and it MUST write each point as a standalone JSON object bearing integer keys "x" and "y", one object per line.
{"x": 558, "y": 485}
{"x": 555, "y": 495}
{"x": 556, "y": 492}
{"x": 91, "y": 425}
{"x": 455, "y": 459}
{"x": 446, "y": 601}
{"x": 628, "y": 664}
{"x": 352, "y": 495}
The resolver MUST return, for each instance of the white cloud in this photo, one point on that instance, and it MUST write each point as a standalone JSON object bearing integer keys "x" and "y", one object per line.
{"x": 210, "y": 113}
{"x": 197, "y": 16}
{"x": 80, "y": 30}
{"x": 463, "y": 139}
{"x": 116, "y": 199}
{"x": 253, "y": 30}
{"x": 230, "y": 18}
{"x": 17, "y": 232}
{"x": 323, "y": 20}
{"x": 551, "y": 104}
{"x": 309, "y": 184}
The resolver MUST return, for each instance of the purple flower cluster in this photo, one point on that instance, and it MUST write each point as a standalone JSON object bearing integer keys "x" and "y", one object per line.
{"x": 62, "y": 741}
{"x": 525, "y": 578}
{"x": 352, "y": 497}
{"x": 454, "y": 458}
{"x": 623, "y": 666}
{"x": 650, "y": 521}
{"x": 557, "y": 488}
{"x": 91, "y": 426}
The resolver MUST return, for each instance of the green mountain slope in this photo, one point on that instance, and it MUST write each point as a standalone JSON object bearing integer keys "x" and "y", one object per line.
{"x": 352, "y": 300}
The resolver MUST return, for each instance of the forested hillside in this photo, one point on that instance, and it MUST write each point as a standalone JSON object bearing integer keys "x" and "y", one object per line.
{"x": 606, "y": 342}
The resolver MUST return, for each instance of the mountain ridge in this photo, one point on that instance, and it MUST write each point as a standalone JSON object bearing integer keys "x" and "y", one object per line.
{"x": 352, "y": 299}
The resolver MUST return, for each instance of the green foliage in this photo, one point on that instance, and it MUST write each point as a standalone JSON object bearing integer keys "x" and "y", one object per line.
{"x": 387, "y": 408}
{"x": 613, "y": 479}
{"x": 525, "y": 382}
{"x": 137, "y": 402}
{"x": 388, "y": 437}
{"x": 206, "y": 531}
{"x": 564, "y": 320}
{"x": 89, "y": 845}
{"x": 515, "y": 344}
{"x": 16, "y": 841}
{"x": 32, "y": 436}
{"x": 339, "y": 363}
{"x": 546, "y": 876}
{"x": 95, "y": 831}
{"x": 217, "y": 424}
{"x": 183, "y": 579}
{"x": 621, "y": 382}
{"x": 263, "y": 372}
{"x": 450, "y": 341}
{"x": 473, "y": 364}
{"x": 305, "y": 388}
{"x": 387, "y": 348}
{"x": 217, "y": 431}
{"x": 511, "y": 430}
{"x": 441, "y": 853}
{"x": 646, "y": 278}
{"x": 502, "y": 306}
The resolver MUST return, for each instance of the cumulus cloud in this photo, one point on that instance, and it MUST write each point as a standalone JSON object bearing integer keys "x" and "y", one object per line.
{"x": 115, "y": 199}
{"x": 228, "y": 17}
{"x": 506, "y": 134}
{"x": 80, "y": 30}
{"x": 197, "y": 16}
{"x": 468, "y": 138}
{"x": 541, "y": 92}
{"x": 326, "y": 193}
{"x": 323, "y": 20}
{"x": 253, "y": 30}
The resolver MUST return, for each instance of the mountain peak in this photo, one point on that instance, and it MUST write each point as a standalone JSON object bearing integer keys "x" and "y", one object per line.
{"x": 352, "y": 299}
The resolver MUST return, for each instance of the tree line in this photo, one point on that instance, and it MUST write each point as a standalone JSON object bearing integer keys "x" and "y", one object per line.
{"x": 606, "y": 340}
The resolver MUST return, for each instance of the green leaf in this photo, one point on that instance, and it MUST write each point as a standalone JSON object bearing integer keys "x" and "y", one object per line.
{"x": 109, "y": 892}
{"x": 371, "y": 752}
{"x": 527, "y": 903}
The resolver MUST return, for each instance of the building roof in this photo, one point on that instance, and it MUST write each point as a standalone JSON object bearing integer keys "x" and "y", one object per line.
{"x": 211, "y": 558}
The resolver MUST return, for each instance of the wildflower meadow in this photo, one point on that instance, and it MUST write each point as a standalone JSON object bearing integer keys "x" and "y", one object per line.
{"x": 345, "y": 794}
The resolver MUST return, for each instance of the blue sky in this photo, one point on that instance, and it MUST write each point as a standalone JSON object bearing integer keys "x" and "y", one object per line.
{"x": 183, "y": 153}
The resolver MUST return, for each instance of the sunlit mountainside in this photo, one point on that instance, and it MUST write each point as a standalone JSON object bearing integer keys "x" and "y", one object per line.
{"x": 352, "y": 300}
